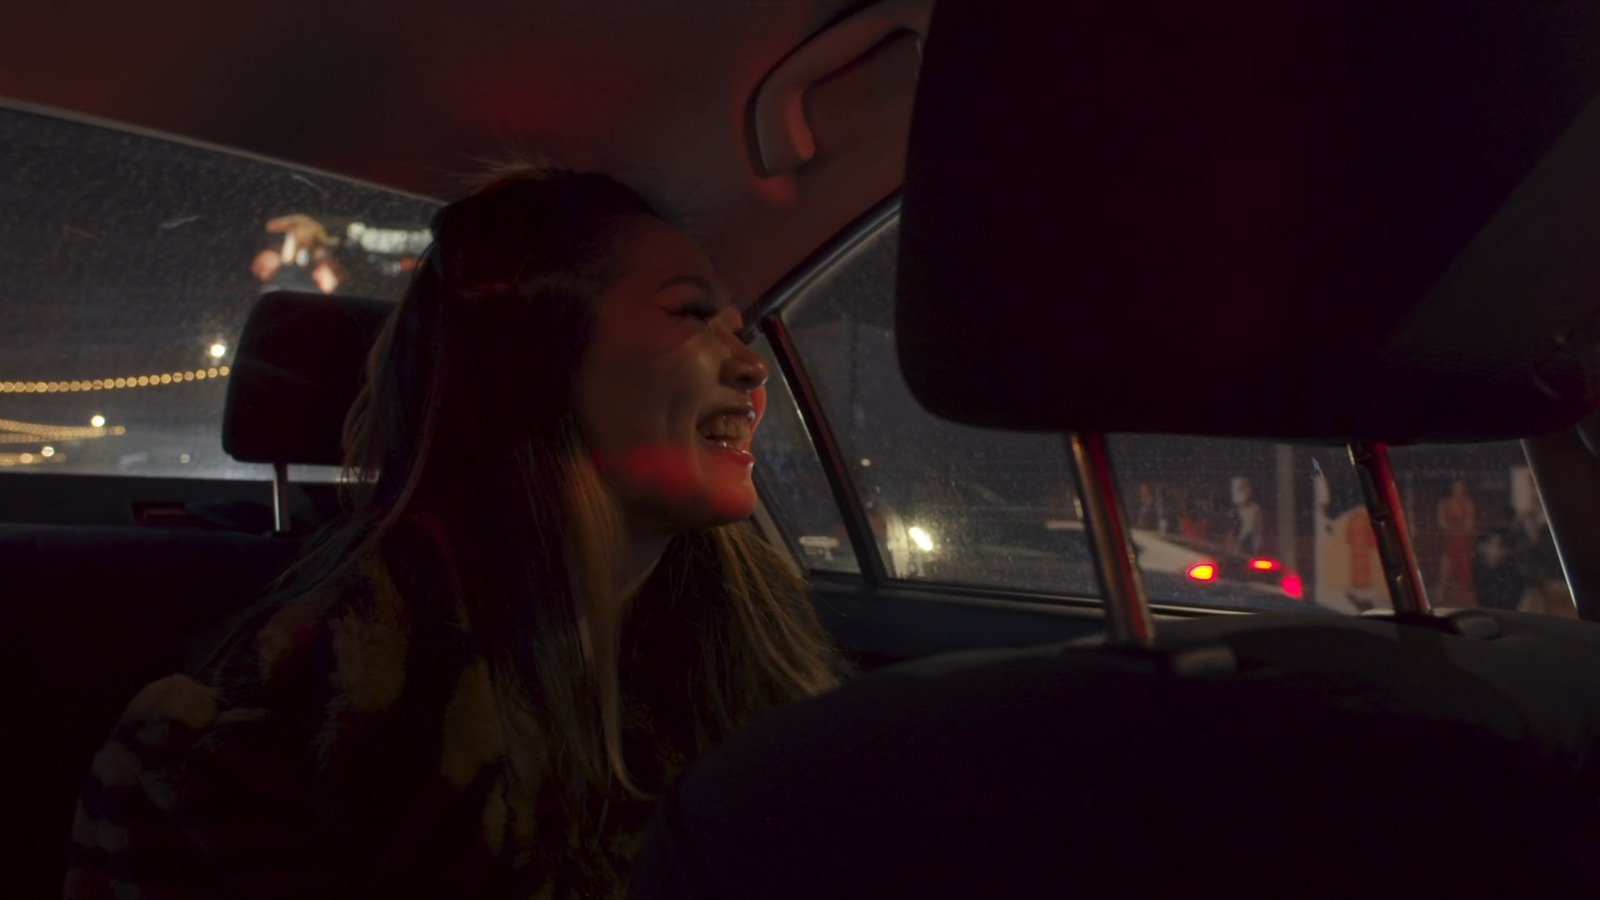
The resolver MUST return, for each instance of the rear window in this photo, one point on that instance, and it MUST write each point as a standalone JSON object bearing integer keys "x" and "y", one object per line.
{"x": 131, "y": 263}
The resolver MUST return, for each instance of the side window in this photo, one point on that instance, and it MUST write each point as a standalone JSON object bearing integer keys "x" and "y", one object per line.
{"x": 1479, "y": 528}
{"x": 1271, "y": 526}
{"x": 792, "y": 483}
{"x": 132, "y": 263}
{"x": 1219, "y": 523}
{"x": 1248, "y": 524}
{"x": 947, "y": 503}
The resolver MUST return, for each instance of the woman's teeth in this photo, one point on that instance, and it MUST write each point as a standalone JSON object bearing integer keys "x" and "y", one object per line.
{"x": 727, "y": 428}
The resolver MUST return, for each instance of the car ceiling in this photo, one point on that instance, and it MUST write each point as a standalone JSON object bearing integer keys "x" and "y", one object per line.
{"x": 410, "y": 94}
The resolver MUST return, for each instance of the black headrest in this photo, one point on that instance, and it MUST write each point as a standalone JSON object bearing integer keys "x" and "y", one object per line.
{"x": 297, "y": 369}
{"x": 1316, "y": 220}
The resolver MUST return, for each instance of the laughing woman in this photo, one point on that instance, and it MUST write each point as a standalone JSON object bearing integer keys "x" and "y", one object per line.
{"x": 546, "y": 601}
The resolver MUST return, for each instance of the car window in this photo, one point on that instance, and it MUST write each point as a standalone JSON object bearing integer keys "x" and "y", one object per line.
{"x": 792, "y": 482}
{"x": 1236, "y": 523}
{"x": 132, "y": 263}
{"x": 1216, "y": 522}
{"x": 1271, "y": 526}
{"x": 1479, "y": 528}
{"x": 946, "y": 502}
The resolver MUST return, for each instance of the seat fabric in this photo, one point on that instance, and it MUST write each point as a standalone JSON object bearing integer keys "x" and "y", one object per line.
{"x": 1342, "y": 757}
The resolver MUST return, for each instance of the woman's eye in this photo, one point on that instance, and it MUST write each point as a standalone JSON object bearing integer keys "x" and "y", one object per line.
{"x": 705, "y": 312}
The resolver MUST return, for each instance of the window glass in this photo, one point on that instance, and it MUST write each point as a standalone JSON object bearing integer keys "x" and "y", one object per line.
{"x": 792, "y": 482}
{"x": 130, "y": 265}
{"x": 1216, "y": 522}
{"x": 1272, "y": 526}
{"x": 1248, "y": 524}
{"x": 947, "y": 503}
{"x": 1479, "y": 528}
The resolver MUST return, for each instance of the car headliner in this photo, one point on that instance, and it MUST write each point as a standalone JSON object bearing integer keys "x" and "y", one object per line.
{"x": 409, "y": 94}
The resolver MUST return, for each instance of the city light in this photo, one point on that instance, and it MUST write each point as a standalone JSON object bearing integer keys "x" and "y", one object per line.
{"x": 920, "y": 538}
{"x": 1264, "y": 565}
{"x": 866, "y": 462}
{"x": 109, "y": 384}
{"x": 1203, "y": 571}
{"x": 7, "y": 460}
{"x": 14, "y": 432}
{"x": 97, "y": 421}
{"x": 219, "y": 350}
{"x": 47, "y": 452}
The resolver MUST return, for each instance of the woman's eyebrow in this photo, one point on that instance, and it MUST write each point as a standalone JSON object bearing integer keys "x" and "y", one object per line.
{"x": 695, "y": 281}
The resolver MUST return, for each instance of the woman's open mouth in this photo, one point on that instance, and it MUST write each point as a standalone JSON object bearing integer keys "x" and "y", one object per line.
{"x": 729, "y": 431}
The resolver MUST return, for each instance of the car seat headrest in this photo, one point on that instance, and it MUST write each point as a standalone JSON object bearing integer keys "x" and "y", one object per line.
{"x": 297, "y": 369}
{"x": 1319, "y": 220}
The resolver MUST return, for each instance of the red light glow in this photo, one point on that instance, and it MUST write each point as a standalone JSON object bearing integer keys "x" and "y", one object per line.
{"x": 1203, "y": 571}
{"x": 758, "y": 399}
{"x": 1292, "y": 586}
{"x": 1264, "y": 565}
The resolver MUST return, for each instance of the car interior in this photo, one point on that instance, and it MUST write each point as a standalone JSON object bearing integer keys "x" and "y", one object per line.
{"x": 1215, "y": 754}
{"x": 1185, "y": 418}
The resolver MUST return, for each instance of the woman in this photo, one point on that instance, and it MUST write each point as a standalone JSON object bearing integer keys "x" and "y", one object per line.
{"x": 545, "y": 602}
{"x": 1458, "y": 523}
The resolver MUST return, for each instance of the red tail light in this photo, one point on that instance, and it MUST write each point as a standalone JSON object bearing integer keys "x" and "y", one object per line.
{"x": 1293, "y": 587}
{"x": 1262, "y": 564}
{"x": 1203, "y": 571}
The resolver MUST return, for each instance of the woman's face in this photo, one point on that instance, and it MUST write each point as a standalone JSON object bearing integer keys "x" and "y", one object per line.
{"x": 667, "y": 396}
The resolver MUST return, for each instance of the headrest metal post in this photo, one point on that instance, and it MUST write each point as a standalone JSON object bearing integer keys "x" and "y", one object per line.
{"x": 1128, "y": 619}
{"x": 1384, "y": 508}
{"x": 280, "y": 498}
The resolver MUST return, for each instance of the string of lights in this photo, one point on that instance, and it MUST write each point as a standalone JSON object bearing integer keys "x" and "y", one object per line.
{"x": 10, "y": 428}
{"x": 111, "y": 384}
{"x": 30, "y": 459}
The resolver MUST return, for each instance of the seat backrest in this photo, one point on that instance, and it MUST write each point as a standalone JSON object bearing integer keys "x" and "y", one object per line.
{"x": 1343, "y": 757}
{"x": 92, "y": 614}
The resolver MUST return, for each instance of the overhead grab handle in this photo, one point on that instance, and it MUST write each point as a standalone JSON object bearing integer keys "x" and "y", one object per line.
{"x": 783, "y": 136}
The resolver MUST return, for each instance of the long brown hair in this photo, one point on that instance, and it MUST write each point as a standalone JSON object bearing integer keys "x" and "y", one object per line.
{"x": 466, "y": 419}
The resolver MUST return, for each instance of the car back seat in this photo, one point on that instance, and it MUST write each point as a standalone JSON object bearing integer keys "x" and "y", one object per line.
{"x": 94, "y": 613}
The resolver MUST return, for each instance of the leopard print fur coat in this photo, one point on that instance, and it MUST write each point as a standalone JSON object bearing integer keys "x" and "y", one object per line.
{"x": 338, "y": 748}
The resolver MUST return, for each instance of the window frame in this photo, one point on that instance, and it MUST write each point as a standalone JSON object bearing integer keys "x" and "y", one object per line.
{"x": 768, "y": 315}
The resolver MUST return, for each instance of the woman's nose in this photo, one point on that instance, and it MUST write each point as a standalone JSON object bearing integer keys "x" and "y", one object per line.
{"x": 745, "y": 369}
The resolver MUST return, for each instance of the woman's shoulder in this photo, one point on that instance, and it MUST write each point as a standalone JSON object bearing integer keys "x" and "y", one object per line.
{"x": 304, "y": 724}
{"x": 206, "y": 770}
{"x": 191, "y": 794}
